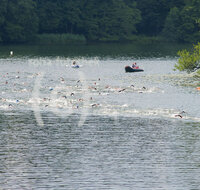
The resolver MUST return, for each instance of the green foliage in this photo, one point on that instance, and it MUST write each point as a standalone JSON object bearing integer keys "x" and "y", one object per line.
{"x": 198, "y": 73}
{"x": 49, "y": 16}
{"x": 189, "y": 61}
{"x": 60, "y": 39}
{"x": 71, "y": 17}
{"x": 171, "y": 30}
{"x": 109, "y": 20}
{"x": 20, "y": 23}
{"x": 183, "y": 24}
{"x": 100, "y": 20}
{"x": 3, "y": 5}
{"x": 153, "y": 14}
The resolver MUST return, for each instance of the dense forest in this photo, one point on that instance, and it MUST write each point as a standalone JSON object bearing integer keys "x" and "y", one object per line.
{"x": 22, "y": 21}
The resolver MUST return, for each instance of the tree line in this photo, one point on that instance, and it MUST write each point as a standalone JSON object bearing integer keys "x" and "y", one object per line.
{"x": 100, "y": 20}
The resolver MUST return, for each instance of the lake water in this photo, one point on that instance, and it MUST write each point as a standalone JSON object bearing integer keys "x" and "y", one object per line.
{"x": 97, "y": 127}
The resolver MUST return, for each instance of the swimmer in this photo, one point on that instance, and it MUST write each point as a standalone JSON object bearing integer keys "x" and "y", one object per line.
{"x": 178, "y": 115}
{"x": 95, "y": 105}
{"x": 182, "y": 112}
{"x": 74, "y": 63}
{"x": 122, "y": 90}
{"x": 91, "y": 87}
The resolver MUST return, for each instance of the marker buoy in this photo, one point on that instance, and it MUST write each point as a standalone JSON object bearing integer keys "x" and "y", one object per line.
{"x": 11, "y": 53}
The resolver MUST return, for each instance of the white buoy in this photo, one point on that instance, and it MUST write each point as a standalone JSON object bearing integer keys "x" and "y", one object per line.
{"x": 11, "y": 53}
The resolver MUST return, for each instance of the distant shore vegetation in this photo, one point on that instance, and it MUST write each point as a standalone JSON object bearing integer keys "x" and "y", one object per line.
{"x": 81, "y": 21}
{"x": 189, "y": 60}
{"x": 59, "y": 39}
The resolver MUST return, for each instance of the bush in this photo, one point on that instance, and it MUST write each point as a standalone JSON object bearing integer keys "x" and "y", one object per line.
{"x": 60, "y": 39}
{"x": 189, "y": 61}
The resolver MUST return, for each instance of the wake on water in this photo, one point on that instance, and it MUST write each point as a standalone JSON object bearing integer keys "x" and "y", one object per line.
{"x": 101, "y": 90}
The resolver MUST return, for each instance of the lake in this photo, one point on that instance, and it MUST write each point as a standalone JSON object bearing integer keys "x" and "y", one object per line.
{"x": 97, "y": 127}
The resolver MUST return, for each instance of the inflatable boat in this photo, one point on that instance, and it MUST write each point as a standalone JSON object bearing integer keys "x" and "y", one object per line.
{"x": 130, "y": 69}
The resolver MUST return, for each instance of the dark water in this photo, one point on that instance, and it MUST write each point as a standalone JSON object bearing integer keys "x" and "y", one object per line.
{"x": 135, "y": 50}
{"x": 97, "y": 127}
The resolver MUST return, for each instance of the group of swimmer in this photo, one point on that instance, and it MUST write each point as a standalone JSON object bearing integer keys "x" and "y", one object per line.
{"x": 92, "y": 88}
{"x": 95, "y": 88}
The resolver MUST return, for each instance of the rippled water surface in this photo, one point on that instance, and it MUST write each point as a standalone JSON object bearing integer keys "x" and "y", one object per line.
{"x": 98, "y": 127}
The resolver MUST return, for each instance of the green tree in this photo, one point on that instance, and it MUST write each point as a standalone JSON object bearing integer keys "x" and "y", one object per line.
{"x": 50, "y": 16}
{"x": 183, "y": 24}
{"x": 109, "y": 20}
{"x": 71, "y": 17}
{"x": 154, "y": 13}
{"x": 189, "y": 61}
{"x": 20, "y": 21}
{"x": 172, "y": 30}
{"x": 3, "y": 6}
